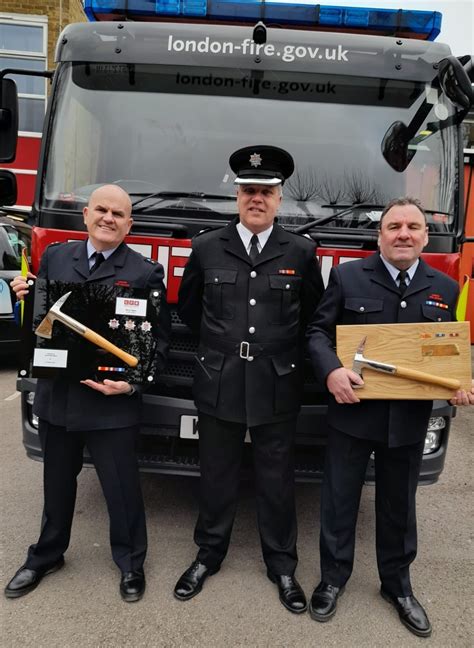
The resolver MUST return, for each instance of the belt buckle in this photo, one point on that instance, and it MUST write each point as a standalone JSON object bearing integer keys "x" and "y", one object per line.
{"x": 244, "y": 350}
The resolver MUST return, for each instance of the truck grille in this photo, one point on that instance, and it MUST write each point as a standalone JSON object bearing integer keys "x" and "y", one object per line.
{"x": 178, "y": 369}
{"x": 183, "y": 344}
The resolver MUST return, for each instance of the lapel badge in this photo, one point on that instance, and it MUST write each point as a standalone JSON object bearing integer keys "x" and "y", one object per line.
{"x": 255, "y": 160}
{"x": 435, "y": 296}
{"x": 287, "y": 271}
{"x": 124, "y": 284}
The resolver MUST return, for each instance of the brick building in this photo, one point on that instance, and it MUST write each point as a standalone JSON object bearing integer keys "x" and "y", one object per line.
{"x": 29, "y": 30}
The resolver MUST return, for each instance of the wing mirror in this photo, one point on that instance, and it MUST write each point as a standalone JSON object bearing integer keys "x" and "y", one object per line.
{"x": 8, "y": 120}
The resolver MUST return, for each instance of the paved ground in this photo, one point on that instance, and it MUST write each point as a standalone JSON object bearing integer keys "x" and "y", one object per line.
{"x": 80, "y": 607}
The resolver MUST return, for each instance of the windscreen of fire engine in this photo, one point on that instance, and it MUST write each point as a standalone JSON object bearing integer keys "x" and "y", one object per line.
{"x": 165, "y": 135}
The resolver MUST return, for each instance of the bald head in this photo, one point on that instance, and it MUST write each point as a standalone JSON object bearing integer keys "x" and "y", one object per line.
{"x": 108, "y": 217}
{"x": 111, "y": 190}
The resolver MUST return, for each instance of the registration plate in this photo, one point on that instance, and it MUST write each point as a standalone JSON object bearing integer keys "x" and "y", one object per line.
{"x": 188, "y": 428}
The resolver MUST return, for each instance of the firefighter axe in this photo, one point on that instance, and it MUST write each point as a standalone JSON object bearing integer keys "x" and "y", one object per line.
{"x": 45, "y": 330}
{"x": 403, "y": 372}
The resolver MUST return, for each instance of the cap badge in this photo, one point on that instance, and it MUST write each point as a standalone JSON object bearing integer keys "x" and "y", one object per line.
{"x": 255, "y": 160}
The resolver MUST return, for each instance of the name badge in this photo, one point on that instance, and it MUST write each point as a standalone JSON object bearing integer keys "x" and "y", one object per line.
{"x": 130, "y": 306}
{"x": 50, "y": 358}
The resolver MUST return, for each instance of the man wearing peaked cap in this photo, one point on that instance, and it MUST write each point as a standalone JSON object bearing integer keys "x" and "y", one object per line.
{"x": 248, "y": 290}
{"x": 266, "y": 165}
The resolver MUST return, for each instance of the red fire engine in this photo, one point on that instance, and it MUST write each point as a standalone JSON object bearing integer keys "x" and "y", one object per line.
{"x": 156, "y": 99}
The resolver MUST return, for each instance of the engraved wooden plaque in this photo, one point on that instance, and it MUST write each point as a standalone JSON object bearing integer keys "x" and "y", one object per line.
{"x": 439, "y": 348}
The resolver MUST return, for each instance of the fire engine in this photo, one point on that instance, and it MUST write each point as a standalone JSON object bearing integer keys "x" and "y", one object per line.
{"x": 155, "y": 97}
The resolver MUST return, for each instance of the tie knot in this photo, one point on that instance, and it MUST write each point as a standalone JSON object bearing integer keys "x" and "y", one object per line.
{"x": 97, "y": 260}
{"x": 254, "y": 240}
{"x": 402, "y": 275}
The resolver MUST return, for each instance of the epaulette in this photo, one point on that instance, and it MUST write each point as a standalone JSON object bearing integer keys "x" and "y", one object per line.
{"x": 206, "y": 230}
{"x": 55, "y": 244}
{"x": 304, "y": 235}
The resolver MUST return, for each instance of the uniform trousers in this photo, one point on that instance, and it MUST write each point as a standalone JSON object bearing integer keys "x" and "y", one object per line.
{"x": 397, "y": 471}
{"x": 114, "y": 455}
{"x": 221, "y": 445}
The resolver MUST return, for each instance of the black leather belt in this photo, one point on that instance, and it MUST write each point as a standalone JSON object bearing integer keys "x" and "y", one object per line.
{"x": 246, "y": 349}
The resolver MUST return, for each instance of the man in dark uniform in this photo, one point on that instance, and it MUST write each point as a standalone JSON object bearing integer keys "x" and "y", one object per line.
{"x": 104, "y": 416}
{"x": 392, "y": 286}
{"x": 248, "y": 290}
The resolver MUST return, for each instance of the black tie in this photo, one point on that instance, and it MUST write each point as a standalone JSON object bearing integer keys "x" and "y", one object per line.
{"x": 253, "y": 254}
{"x": 402, "y": 277}
{"x": 98, "y": 259}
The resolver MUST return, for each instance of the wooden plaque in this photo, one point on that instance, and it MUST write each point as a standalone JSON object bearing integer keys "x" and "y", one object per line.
{"x": 439, "y": 348}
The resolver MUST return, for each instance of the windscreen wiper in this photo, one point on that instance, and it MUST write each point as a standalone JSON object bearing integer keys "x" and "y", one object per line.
{"x": 170, "y": 195}
{"x": 327, "y": 219}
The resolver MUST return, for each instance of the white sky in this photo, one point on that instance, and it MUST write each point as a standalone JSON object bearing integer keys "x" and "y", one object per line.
{"x": 457, "y": 25}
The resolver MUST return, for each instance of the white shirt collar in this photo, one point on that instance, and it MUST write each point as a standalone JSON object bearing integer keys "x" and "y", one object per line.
{"x": 91, "y": 250}
{"x": 245, "y": 234}
{"x": 394, "y": 271}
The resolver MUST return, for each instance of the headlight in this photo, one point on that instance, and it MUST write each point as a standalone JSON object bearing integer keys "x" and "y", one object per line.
{"x": 30, "y": 396}
{"x": 433, "y": 436}
{"x": 436, "y": 423}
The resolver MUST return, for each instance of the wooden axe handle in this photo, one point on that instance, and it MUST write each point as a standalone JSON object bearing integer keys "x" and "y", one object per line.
{"x": 421, "y": 376}
{"x": 101, "y": 342}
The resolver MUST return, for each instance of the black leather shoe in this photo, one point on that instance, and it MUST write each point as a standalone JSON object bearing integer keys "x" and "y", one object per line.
{"x": 291, "y": 594}
{"x": 132, "y": 586}
{"x": 323, "y": 603}
{"x": 411, "y": 613}
{"x": 25, "y": 580}
{"x": 190, "y": 583}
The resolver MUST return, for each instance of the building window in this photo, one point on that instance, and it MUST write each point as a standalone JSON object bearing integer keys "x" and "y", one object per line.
{"x": 16, "y": 37}
{"x": 23, "y": 45}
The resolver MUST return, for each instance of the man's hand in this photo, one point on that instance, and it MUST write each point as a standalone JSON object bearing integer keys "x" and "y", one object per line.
{"x": 463, "y": 397}
{"x": 340, "y": 381}
{"x": 20, "y": 286}
{"x": 109, "y": 387}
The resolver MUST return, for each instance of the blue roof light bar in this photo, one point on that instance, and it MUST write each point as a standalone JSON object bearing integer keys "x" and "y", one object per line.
{"x": 405, "y": 23}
